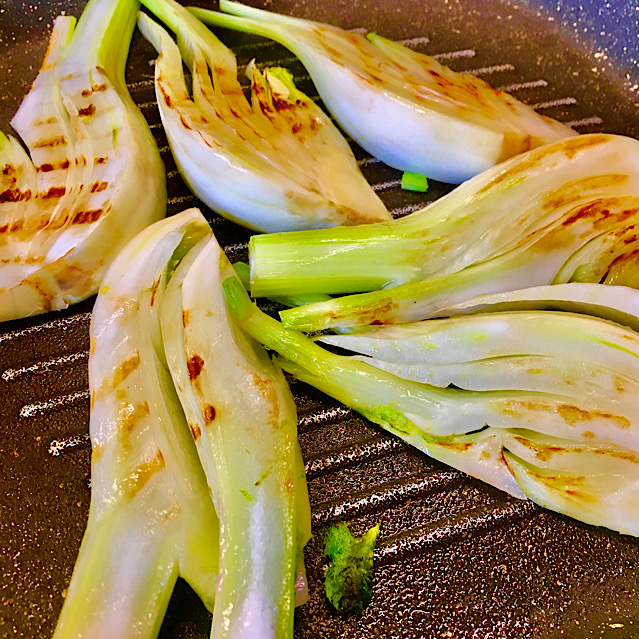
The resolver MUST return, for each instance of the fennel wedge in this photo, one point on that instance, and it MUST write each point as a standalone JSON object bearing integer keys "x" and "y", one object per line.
{"x": 570, "y": 447}
{"x": 151, "y": 517}
{"x": 275, "y": 164}
{"x": 403, "y": 107}
{"x": 566, "y": 212}
{"x": 93, "y": 177}
{"x": 244, "y": 422}
{"x": 196, "y": 468}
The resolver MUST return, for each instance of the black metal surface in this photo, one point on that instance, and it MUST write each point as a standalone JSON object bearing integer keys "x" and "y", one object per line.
{"x": 455, "y": 558}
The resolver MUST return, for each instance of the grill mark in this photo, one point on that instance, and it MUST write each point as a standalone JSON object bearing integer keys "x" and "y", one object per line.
{"x": 71, "y": 276}
{"x": 577, "y": 190}
{"x": 87, "y": 217}
{"x": 19, "y": 259}
{"x": 125, "y": 369}
{"x": 545, "y": 452}
{"x": 12, "y": 196}
{"x": 58, "y": 140}
{"x": 209, "y": 413}
{"x": 194, "y": 365}
{"x": 196, "y": 431}
{"x": 130, "y": 416}
{"x": 87, "y": 112}
{"x": 571, "y": 415}
{"x": 134, "y": 483}
{"x": 54, "y": 192}
{"x": 98, "y": 187}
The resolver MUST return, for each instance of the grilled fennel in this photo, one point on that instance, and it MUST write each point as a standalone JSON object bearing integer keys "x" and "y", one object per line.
{"x": 151, "y": 517}
{"x": 566, "y": 212}
{"x": 547, "y": 413}
{"x": 403, "y": 107}
{"x": 94, "y": 177}
{"x": 275, "y": 164}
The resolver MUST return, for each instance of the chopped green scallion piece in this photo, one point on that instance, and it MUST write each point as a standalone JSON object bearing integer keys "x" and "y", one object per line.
{"x": 414, "y": 182}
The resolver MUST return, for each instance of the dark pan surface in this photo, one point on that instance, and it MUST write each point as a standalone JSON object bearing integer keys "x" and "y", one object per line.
{"x": 456, "y": 558}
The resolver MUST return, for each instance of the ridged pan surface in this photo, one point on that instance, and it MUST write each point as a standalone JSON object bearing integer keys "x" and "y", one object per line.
{"x": 455, "y": 558}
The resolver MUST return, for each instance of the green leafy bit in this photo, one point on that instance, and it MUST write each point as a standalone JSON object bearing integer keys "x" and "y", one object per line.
{"x": 403, "y": 107}
{"x": 561, "y": 213}
{"x": 276, "y": 163}
{"x": 349, "y": 575}
{"x": 538, "y": 403}
{"x": 92, "y": 177}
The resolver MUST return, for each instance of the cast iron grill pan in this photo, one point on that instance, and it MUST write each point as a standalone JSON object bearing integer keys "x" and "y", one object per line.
{"x": 456, "y": 558}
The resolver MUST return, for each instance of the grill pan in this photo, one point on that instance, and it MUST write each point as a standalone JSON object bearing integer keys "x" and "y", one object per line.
{"x": 455, "y": 558}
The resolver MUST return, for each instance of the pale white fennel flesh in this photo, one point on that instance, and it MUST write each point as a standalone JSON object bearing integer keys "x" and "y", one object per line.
{"x": 403, "y": 107}
{"x": 277, "y": 163}
{"x": 93, "y": 177}
{"x": 619, "y": 304}
{"x": 572, "y": 447}
{"x": 244, "y": 422}
{"x": 566, "y": 212}
{"x": 151, "y": 517}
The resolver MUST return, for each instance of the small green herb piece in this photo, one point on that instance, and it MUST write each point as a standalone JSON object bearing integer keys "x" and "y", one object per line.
{"x": 350, "y": 572}
{"x": 414, "y": 182}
